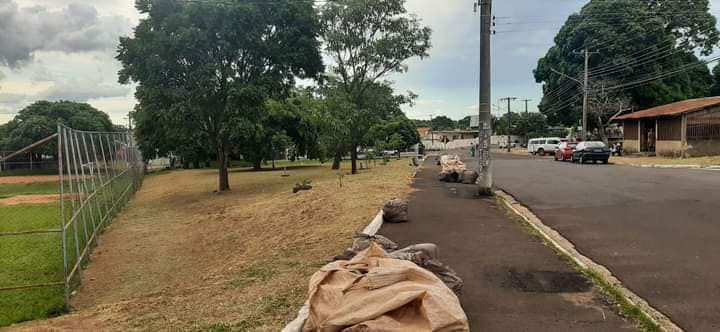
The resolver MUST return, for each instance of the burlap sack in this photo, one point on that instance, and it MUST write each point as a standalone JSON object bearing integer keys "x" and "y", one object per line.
{"x": 373, "y": 292}
{"x": 395, "y": 211}
{"x": 469, "y": 177}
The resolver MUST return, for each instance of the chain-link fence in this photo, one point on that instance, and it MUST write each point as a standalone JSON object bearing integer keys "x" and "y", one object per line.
{"x": 50, "y": 223}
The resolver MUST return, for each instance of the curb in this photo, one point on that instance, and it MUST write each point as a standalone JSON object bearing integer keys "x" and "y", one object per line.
{"x": 563, "y": 245}
{"x": 673, "y": 166}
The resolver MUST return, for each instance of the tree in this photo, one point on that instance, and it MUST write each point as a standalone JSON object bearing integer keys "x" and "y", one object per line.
{"x": 715, "y": 88}
{"x": 399, "y": 134}
{"x": 464, "y": 123}
{"x": 532, "y": 123}
{"x": 214, "y": 64}
{"x": 160, "y": 133}
{"x": 442, "y": 123}
{"x": 502, "y": 124}
{"x": 40, "y": 120}
{"x": 369, "y": 40}
{"x": 638, "y": 38}
{"x": 604, "y": 106}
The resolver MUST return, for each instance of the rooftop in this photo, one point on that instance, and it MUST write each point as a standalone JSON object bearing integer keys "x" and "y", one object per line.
{"x": 674, "y": 109}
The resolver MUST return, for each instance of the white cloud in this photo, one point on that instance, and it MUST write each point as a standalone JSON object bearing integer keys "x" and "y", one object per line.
{"x": 82, "y": 91}
{"x": 75, "y": 28}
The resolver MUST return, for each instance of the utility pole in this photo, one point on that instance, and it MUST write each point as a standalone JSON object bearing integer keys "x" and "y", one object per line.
{"x": 432, "y": 133}
{"x": 509, "y": 99}
{"x": 527, "y": 120}
{"x": 585, "y": 89}
{"x": 485, "y": 181}
{"x": 585, "y": 93}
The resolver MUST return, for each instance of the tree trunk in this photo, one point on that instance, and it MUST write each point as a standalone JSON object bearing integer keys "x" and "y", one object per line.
{"x": 337, "y": 160}
{"x": 601, "y": 131}
{"x": 257, "y": 164}
{"x": 224, "y": 181}
{"x": 353, "y": 159}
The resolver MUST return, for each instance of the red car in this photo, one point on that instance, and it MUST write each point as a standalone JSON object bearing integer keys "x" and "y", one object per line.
{"x": 564, "y": 151}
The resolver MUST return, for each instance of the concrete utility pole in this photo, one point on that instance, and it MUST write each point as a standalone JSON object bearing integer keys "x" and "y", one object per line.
{"x": 527, "y": 118}
{"x": 432, "y": 133}
{"x": 584, "y": 84}
{"x": 485, "y": 181}
{"x": 585, "y": 94}
{"x": 509, "y": 99}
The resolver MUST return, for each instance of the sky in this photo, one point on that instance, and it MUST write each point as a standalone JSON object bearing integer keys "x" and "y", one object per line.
{"x": 65, "y": 49}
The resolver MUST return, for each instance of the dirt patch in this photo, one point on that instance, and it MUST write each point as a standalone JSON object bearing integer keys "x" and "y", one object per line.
{"x": 33, "y": 199}
{"x": 181, "y": 257}
{"x": 647, "y": 161}
{"x": 28, "y": 179}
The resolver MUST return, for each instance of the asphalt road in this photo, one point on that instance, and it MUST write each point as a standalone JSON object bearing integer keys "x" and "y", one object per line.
{"x": 512, "y": 281}
{"x": 657, "y": 230}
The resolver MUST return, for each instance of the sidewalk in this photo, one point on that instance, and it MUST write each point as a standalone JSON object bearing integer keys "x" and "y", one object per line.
{"x": 513, "y": 282}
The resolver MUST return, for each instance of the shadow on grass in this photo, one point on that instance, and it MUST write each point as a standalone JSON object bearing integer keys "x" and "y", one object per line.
{"x": 277, "y": 169}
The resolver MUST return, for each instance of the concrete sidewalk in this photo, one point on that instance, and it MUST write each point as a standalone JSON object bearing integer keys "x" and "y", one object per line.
{"x": 513, "y": 282}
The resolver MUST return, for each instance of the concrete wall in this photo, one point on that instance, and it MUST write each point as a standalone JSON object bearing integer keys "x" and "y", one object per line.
{"x": 701, "y": 148}
{"x": 631, "y": 145}
{"x": 669, "y": 148}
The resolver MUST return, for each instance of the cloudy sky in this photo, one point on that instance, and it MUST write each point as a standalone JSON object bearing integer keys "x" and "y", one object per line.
{"x": 64, "y": 49}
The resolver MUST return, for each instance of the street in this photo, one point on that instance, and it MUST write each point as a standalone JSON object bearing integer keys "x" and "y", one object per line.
{"x": 657, "y": 230}
{"x": 511, "y": 280}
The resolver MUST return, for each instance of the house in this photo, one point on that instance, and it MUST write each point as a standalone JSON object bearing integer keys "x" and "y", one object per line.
{"x": 424, "y": 132}
{"x": 686, "y": 128}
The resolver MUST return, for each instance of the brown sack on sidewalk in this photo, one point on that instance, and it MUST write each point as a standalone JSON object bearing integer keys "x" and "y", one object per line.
{"x": 373, "y": 292}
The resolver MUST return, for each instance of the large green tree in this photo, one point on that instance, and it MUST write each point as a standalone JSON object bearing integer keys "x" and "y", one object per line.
{"x": 40, "y": 120}
{"x": 214, "y": 64}
{"x": 399, "y": 134}
{"x": 635, "y": 39}
{"x": 442, "y": 123}
{"x": 369, "y": 40}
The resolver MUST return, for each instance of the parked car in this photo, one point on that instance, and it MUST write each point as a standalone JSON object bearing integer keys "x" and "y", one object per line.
{"x": 591, "y": 151}
{"x": 541, "y": 146}
{"x": 564, "y": 151}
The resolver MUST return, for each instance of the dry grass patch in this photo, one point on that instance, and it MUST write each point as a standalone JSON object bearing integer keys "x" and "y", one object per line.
{"x": 182, "y": 257}
{"x": 642, "y": 161}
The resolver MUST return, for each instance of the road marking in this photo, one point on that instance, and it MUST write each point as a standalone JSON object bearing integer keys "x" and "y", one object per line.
{"x": 566, "y": 247}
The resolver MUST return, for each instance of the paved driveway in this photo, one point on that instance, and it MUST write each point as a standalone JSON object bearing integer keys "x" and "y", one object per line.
{"x": 658, "y": 230}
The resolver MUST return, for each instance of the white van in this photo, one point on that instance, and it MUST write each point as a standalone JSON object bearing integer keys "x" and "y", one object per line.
{"x": 544, "y": 145}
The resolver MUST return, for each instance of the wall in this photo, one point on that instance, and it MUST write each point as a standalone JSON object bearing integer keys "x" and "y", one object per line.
{"x": 669, "y": 129}
{"x": 631, "y": 146}
{"x": 630, "y": 130}
{"x": 701, "y": 148}
{"x": 703, "y": 133}
{"x": 669, "y": 148}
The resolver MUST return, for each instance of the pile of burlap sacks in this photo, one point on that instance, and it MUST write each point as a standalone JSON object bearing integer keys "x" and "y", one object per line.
{"x": 454, "y": 170}
{"x": 376, "y": 286}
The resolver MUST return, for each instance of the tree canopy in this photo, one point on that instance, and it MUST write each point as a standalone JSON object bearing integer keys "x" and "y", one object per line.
{"x": 40, "y": 120}
{"x": 212, "y": 65}
{"x": 637, "y": 41}
{"x": 368, "y": 40}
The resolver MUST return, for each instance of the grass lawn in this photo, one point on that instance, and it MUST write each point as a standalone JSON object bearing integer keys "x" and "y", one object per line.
{"x": 640, "y": 161}
{"x": 27, "y": 260}
{"x": 15, "y": 189}
{"x": 181, "y": 257}
{"x": 31, "y": 259}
